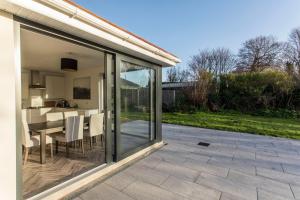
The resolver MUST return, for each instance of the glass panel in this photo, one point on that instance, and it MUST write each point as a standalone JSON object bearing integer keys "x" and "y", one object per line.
{"x": 137, "y": 106}
{"x": 69, "y": 109}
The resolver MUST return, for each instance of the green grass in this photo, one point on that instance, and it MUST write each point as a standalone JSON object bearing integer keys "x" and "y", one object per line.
{"x": 287, "y": 128}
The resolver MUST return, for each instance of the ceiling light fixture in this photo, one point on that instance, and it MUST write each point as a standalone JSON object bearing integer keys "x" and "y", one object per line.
{"x": 69, "y": 64}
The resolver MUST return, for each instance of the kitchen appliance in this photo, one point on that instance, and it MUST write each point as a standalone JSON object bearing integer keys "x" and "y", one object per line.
{"x": 62, "y": 103}
{"x": 37, "y": 81}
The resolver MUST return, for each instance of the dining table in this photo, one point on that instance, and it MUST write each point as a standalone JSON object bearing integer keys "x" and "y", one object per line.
{"x": 44, "y": 128}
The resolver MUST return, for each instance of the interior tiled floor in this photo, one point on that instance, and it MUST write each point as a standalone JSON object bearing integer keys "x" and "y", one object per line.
{"x": 236, "y": 166}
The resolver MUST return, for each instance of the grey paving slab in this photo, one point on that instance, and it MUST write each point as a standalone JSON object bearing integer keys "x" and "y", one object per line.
{"x": 292, "y": 168}
{"x": 146, "y": 174}
{"x": 120, "y": 181}
{"x": 178, "y": 171}
{"x": 279, "y": 176}
{"x": 296, "y": 191}
{"x": 270, "y": 185}
{"x": 205, "y": 167}
{"x": 265, "y": 195}
{"x": 190, "y": 190}
{"x": 104, "y": 192}
{"x": 228, "y": 186}
{"x": 226, "y": 196}
{"x": 145, "y": 191}
{"x": 236, "y": 166}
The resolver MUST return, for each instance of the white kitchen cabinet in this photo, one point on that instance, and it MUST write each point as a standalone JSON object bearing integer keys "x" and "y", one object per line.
{"x": 25, "y": 85}
{"x": 55, "y": 87}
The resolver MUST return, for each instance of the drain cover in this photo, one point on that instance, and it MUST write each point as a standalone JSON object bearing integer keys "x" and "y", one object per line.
{"x": 203, "y": 144}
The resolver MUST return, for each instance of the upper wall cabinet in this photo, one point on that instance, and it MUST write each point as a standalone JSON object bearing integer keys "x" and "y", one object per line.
{"x": 55, "y": 87}
{"x": 25, "y": 85}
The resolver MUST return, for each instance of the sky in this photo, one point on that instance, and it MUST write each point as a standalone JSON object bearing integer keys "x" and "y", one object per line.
{"x": 184, "y": 27}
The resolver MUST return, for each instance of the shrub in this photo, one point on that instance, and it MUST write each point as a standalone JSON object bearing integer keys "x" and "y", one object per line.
{"x": 269, "y": 89}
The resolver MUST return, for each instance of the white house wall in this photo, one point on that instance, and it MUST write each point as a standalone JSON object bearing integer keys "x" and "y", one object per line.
{"x": 8, "y": 145}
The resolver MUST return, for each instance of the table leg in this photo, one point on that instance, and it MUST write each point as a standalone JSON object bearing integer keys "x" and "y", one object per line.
{"x": 43, "y": 147}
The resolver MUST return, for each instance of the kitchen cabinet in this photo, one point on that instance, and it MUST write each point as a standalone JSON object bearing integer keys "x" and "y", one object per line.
{"x": 55, "y": 87}
{"x": 25, "y": 85}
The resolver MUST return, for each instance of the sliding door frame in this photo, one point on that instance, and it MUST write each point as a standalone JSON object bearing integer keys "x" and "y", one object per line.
{"x": 157, "y": 108}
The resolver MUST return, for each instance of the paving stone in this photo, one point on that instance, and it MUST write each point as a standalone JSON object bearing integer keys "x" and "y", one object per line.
{"x": 190, "y": 190}
{"x": 265, "y": 195}
{"x": 276, "y": 187}
{"x": 291, "y": 169}
{"x": 151, "y": 161}
{"x": 178, "y": 171}
{"x": 104, "y": 192}
{"x": 147, "y": 174}
{"x": 144, "y": 191}
{"x": 260, "y": 163}
{"x": 226, "y": 196}
{"x": 120, "y": 181}
{"x": 296, "y": 191}
{"x": 240, "y": 166}
{"x": 205, "y": 167}
{"x": 279, "y": 176}
{"x": 228, "y": 186}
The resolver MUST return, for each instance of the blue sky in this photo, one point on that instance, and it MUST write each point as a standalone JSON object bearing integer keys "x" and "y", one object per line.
{"x": 185, "y": 26}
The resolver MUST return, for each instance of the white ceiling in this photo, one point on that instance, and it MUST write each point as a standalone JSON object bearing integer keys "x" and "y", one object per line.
{"x": 41, "y": 52}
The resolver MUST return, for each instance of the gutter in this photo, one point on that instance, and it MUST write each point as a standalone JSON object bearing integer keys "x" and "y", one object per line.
{"x": 82, "y": 15}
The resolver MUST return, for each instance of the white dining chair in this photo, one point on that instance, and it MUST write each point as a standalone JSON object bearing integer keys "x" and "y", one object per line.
{"x": 88, "y": 113}
{"x": 52, "y": 117}
{"x": 95, "y": 128}
{"x": 29, "y": 141}
{"x": 70, "y": 114}
{"x": 55, "y": 116}
{"x": 73, "y": 132}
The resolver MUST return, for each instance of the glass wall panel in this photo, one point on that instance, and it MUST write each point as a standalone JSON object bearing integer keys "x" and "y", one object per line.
{"x": 137, "y": 85}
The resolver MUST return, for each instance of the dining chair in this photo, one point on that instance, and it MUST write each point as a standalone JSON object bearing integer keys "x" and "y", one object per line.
{"x": 70, "y": 114}
{"x": 29, "y": 141}
{"x": 55, "y": 116}
{"x": 73, "y": 132}
{"x": 52, "y": 117}
{"x": 88, "y": 113}
{"x": 95, "y": 128}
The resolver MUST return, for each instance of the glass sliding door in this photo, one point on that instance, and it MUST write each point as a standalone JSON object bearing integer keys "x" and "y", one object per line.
{"x": 137, "y": 106}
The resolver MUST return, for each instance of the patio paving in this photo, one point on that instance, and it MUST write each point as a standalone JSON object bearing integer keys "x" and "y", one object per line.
{"x": 236, "y": 166}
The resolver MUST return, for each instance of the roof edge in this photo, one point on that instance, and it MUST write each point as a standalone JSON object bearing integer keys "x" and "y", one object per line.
{"x": 118, "y": 27}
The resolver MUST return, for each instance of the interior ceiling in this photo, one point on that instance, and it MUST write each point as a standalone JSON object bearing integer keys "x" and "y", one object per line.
{"x": 41, "y": 52}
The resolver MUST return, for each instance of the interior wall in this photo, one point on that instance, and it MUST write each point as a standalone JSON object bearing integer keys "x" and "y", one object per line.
{"x": 8, "y": 129}
{"x": 95, "y": 76}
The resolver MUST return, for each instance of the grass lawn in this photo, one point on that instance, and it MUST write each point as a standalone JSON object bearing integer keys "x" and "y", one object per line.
{"x": 288, "y": 128}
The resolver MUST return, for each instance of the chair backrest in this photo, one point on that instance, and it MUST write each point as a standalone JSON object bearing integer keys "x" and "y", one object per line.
{"x": 74, "y": 128}
{"x": 50, "y": 117}
{"x": 70, "y": 114}
{"x": 96, "y": 124}
{"x": 24, "y": 115}
{"x": 88, "y": 113}
{"x": 25, "y": 134}
{"x": 25, "y": 129}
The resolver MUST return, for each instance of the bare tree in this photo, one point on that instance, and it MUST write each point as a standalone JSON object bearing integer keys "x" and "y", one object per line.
{"x": 176, "y": 74}
{"x": 216, "y": 61}
{"x": 259, "y": 53}
{"x": 292, "y": 49}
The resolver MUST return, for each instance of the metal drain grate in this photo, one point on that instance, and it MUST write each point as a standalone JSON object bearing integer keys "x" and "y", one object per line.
{"x": 203, "y": 144}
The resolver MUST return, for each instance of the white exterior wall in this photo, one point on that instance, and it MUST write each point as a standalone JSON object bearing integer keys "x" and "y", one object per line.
{"x": 8, "y": 147}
